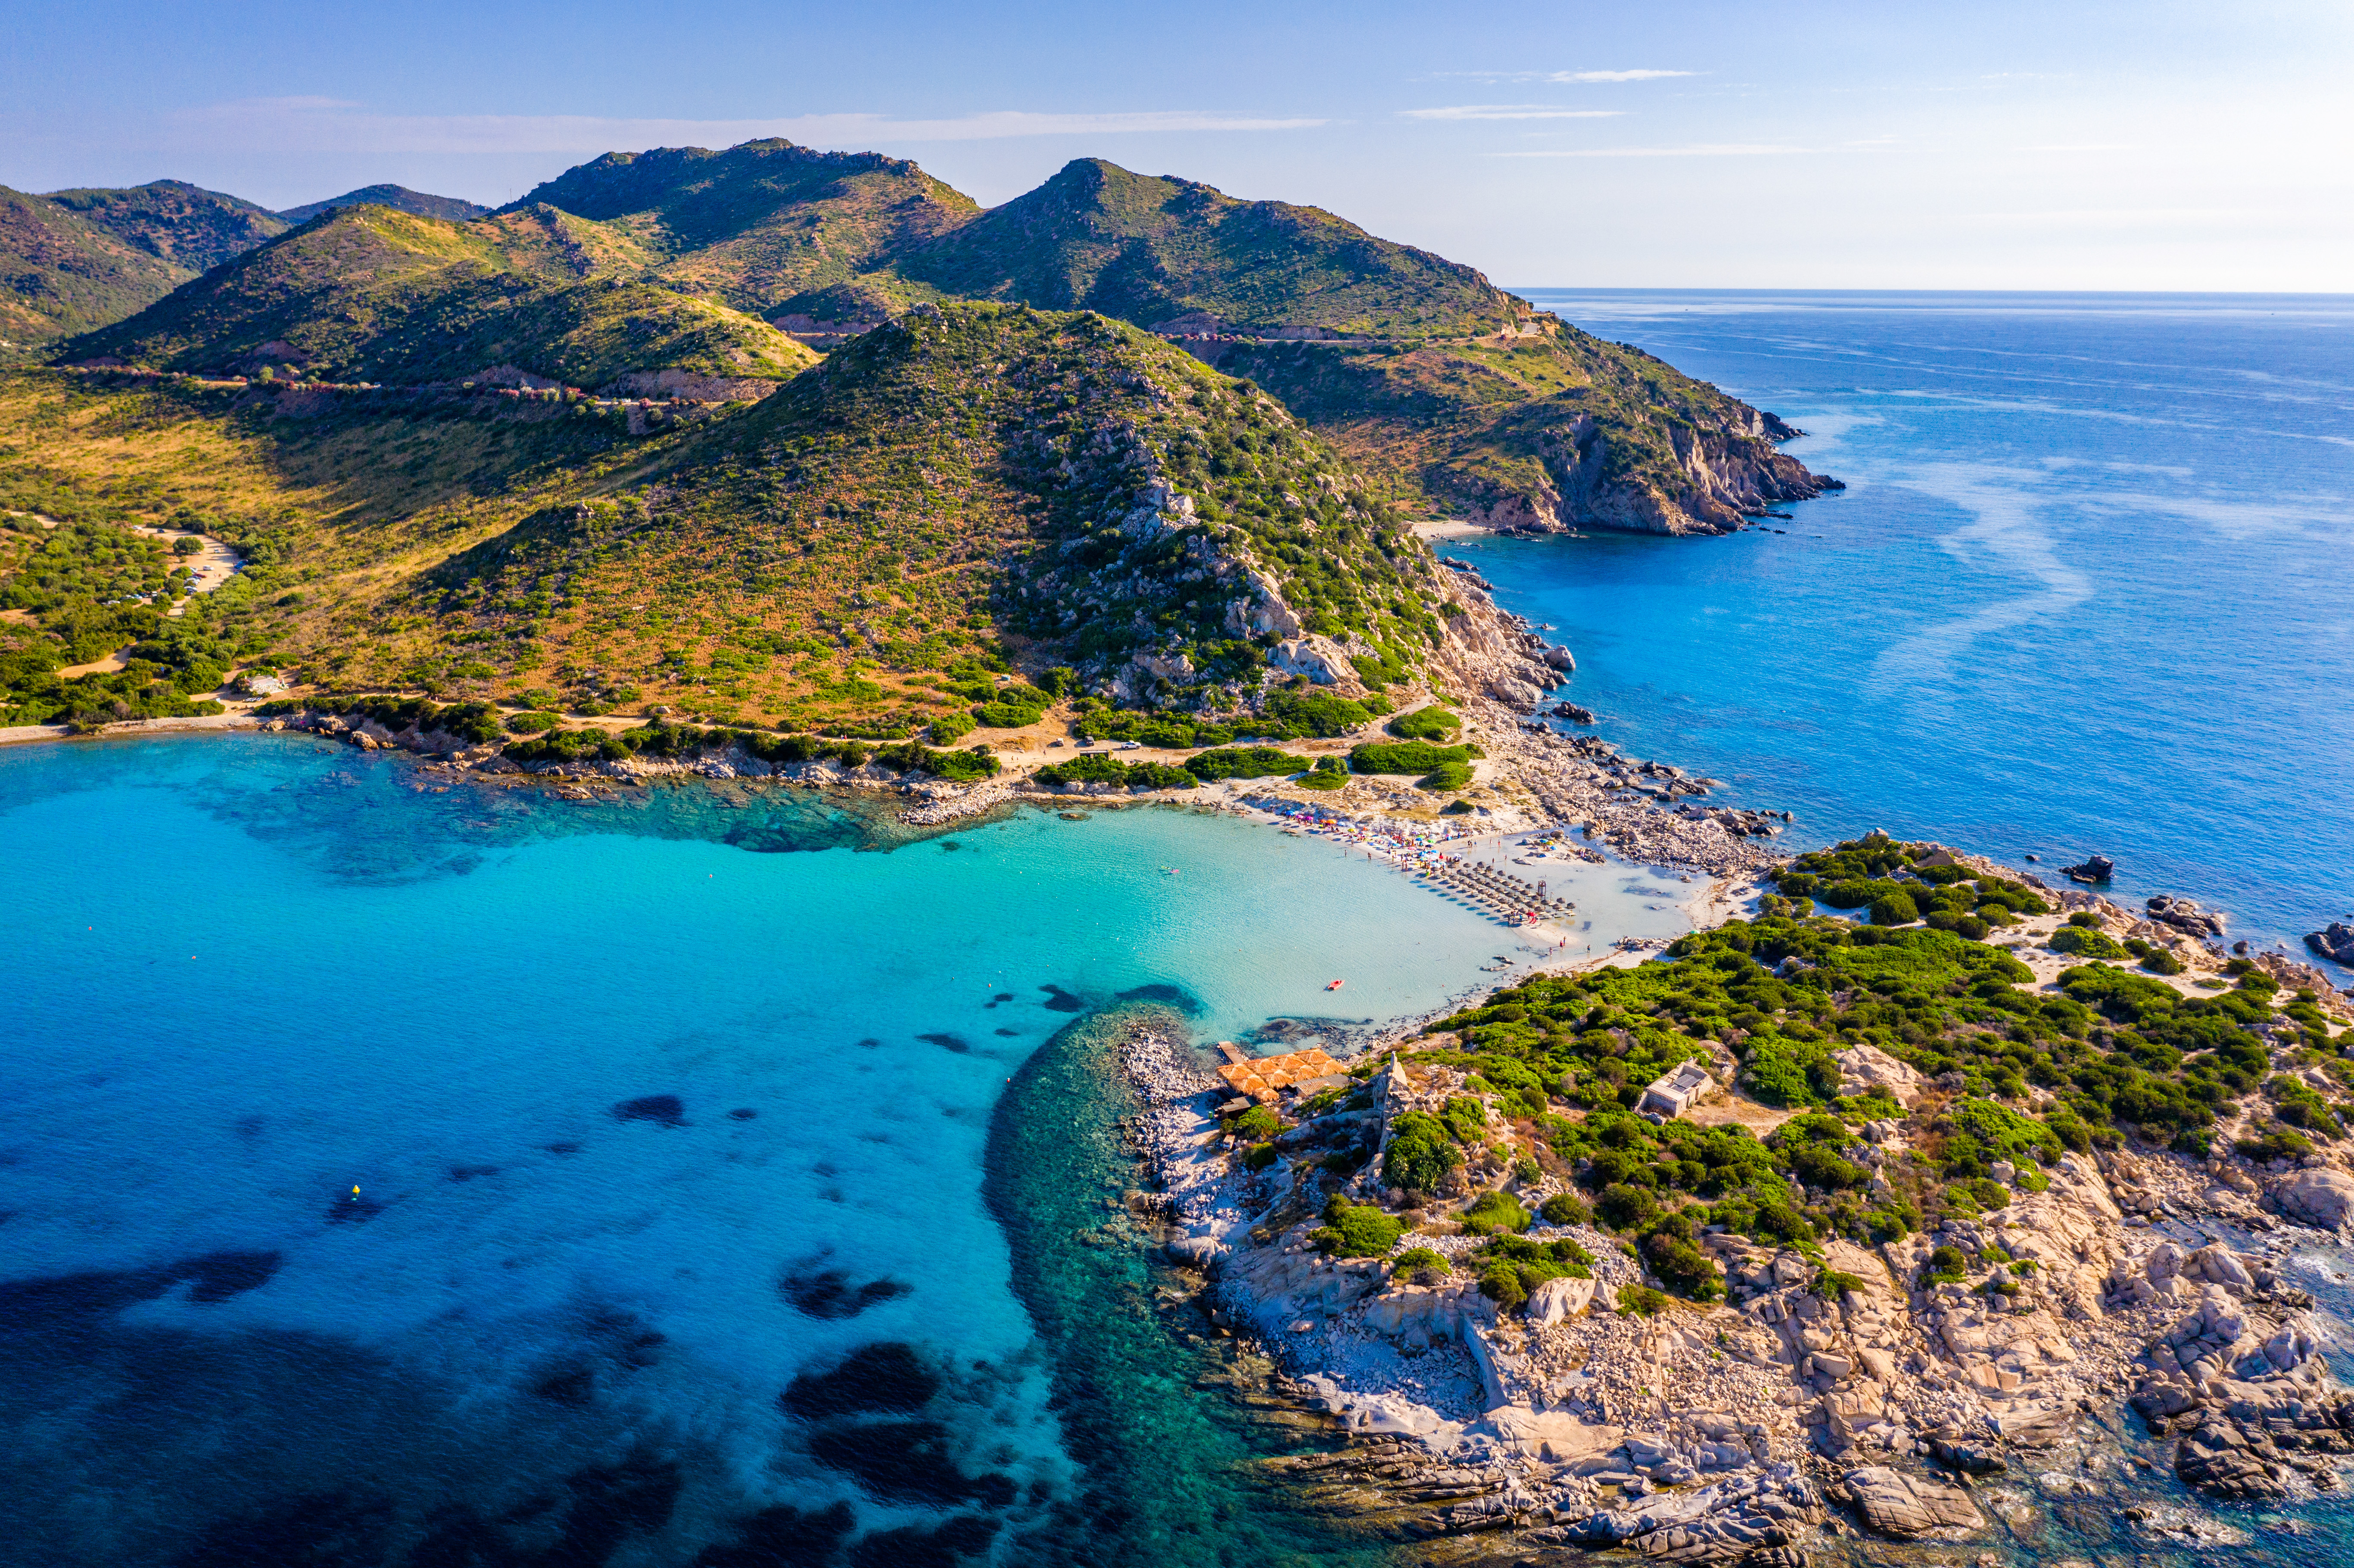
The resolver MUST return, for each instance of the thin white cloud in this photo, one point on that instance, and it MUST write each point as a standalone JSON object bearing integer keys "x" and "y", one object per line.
{"x": 2079, "y": 147}
{"x": 2121, "y": 218}
{"x": 327, "y": 126}
{"x": 1703, "y": 150}
{"x": 1510, "y": 111}
{"x": 1560, "y": 75}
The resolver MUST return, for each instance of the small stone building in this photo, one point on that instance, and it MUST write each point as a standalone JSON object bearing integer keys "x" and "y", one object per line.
{"x": 1675, "y": 1092}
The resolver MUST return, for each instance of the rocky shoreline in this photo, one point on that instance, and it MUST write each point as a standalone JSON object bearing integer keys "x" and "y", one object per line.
{"x": 2128, "y": 1316}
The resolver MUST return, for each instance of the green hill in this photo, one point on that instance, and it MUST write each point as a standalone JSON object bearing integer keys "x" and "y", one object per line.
{"x": 367, "y": 293}
{"x": 194, "y": 229}
{"x": 762, "y": 223}
{"x": 400, "y": 198}
{"x": 64, "y": 274}
{"x": 966, "y": 475}
{"x": 1164, "y": 252}
{"x": 1454, "y": 395}
{"x": 972, "y": 488}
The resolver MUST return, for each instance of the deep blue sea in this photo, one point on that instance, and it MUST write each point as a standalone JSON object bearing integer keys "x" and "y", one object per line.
{"x": 2090, "y": 588}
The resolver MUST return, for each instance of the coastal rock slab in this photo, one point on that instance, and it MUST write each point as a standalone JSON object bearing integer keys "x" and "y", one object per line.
{"x": 1863, "y": 1068}
{"x": 1552, "y": 1436}
{"x": 2320, "y": 1197}
{"x": 1909, "y": 1507}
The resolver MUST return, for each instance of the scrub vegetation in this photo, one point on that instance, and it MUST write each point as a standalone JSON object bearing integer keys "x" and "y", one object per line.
{"x": 2018, "y": 1077}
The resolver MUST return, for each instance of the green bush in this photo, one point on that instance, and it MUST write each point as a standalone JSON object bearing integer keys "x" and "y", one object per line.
{"x": 1421, "y": 1264}
{"x": 1623, "y": 1206}
{"x": 1356, "y": 1230}
{"x": 1682, "y": 1266}
{"x": 1408, "y": 756}
{"x": 1502, "y": 1284}
{"x": 2085, "y": 943}
{"x": 1830, "y": 1284}
{"x": 1567, "y": 1209}
{"x": 1006, "y": 715}
{"x": 1495, "y": 1210}
{"x": 1420, "y": 1154}
{"x": 1895, "y": 909}
{"x": 1099, "y": 768}
{"x": 1642, "y": 1301}
{"x": 2158, "y": 961}
{"x": 1241, "y": 762}
{"x": 2272, "y": 1143}
{"x": 1946, "y": 1265}
{"x": 1466, "y": 1117}
{"x": 1425, "y": 724}
{"x": 1447, "y": 776}
{"x": 948, "y": 729}
{"x": 1259, "y": 1156}
{"x": 2296, "y": 1103}
{"x": 1256, "y": 1125}
{"x": 568, "y": 745}
{"x": 533, "y": 724}
{"x": 1313, "y": 713}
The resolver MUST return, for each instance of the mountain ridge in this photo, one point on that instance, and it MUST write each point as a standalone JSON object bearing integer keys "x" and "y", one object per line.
{"x": 400, "y": 198}
{"x": 371, "y": 294}
{"x": 1453, "y": 394}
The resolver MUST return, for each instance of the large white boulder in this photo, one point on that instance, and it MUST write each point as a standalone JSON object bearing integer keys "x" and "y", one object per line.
{"x": 1318, "y": 658}
{"x": 2319, "y": 1197}
{"x": 1907, "y": 1507}
{"x": 1863, "y": 1068}
{"x": 1558, "y": 1298}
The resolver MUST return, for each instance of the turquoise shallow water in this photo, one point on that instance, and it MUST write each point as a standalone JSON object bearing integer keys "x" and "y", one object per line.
{"x": 645, "y": 1126}
{"x": 2086, "y": 591}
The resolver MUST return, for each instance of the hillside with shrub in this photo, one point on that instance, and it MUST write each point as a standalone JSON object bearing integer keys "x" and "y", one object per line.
{"x": 192, "y": 228}
{"x": 950, "y": 525}
{"x": 970, "y": 479}
{"x": 65, "y": 274}
{"x": 766, "y": 227}
{"x": 2015, "y": 1075}
{"x": 1168, "y": 253}
{"x": 1448, "y": 393}
{"x": 367, "y": 293}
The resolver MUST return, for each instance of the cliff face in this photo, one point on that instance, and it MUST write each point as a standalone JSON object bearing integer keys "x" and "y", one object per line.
{"x": 1709, "y": 479}
{"x": 1537, "y": 428}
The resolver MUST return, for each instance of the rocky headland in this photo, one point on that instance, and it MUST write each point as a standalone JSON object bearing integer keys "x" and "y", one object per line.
{"x": 2024, "y": 1364}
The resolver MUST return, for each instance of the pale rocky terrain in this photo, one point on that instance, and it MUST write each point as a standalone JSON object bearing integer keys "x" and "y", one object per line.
{"x": 2132, "y": 1315}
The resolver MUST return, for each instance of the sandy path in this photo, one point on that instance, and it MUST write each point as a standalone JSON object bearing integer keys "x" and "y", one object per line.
{"x": 207, "y": 569}
{"x": 20, "y": 734}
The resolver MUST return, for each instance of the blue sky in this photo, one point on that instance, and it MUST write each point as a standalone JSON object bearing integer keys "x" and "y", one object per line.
{"x": 1797, "y": 145}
